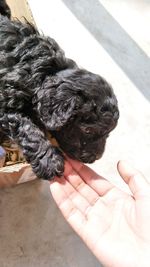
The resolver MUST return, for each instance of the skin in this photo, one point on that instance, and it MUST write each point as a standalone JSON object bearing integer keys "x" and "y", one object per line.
{"x": 112, "y": 223}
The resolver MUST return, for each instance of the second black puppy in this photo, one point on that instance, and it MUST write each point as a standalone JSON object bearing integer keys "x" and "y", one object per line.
{"x": 42, "y": 90}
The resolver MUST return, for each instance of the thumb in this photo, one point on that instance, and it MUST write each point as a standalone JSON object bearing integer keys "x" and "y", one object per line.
{"x": 135, "y": 180}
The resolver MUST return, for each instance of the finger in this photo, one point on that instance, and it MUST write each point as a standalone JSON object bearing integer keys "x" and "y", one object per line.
{"x": 77, "y": 199}
{"x": 98, "y": 183}
{"x": 79, "y": 185}
{"x": 135, "y": 180}
{"x": 71, "y": 213}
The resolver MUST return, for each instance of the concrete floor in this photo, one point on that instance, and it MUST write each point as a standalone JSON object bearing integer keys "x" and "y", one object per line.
{"x": 110, "y": 38}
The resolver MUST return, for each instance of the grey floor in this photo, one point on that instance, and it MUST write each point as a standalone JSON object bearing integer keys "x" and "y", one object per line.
{"x": 110, "y": 38}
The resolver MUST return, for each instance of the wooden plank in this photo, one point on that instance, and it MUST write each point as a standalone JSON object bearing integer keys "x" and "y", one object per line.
{"x": 20, "y": 9}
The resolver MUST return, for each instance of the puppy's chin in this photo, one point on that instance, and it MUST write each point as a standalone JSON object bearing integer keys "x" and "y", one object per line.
{"x": 90, "y": 159}
{"x": 85, "y": 157}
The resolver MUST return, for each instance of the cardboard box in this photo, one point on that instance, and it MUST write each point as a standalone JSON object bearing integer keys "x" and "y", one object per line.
{"x": 13, "y": 168}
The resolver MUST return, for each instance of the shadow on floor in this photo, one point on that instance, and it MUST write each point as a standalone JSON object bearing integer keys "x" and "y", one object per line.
{"x": 114, "y": 39}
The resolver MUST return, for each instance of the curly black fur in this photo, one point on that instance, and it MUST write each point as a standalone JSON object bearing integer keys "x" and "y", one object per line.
{"x": 42, "y": 90}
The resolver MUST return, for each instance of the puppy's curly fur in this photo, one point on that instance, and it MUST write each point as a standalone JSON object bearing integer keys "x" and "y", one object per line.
{"x": 42, "y": 90}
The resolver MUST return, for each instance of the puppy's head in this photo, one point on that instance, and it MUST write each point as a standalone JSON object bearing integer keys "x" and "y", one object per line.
{"x": 80, "y": 109}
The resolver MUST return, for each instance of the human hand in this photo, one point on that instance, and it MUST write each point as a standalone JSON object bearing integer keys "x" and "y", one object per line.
{"x": 115, "y": 225}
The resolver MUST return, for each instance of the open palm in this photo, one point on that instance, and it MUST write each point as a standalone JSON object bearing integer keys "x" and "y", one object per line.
{"x": 115, "y": 225}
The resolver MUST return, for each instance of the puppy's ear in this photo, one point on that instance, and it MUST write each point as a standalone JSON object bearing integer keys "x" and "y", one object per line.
{"x": 56, "y": 105}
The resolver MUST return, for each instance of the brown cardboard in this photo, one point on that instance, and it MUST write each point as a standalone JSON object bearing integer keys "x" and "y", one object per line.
{"x": 16, "y": 174}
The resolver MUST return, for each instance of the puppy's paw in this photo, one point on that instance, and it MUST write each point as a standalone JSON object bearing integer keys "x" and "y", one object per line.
{"x": 49, "y": 165}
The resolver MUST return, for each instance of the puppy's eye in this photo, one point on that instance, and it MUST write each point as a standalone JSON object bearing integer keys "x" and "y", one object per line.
{"x": 84, "y": 143}
{"x": 88, "y": 130}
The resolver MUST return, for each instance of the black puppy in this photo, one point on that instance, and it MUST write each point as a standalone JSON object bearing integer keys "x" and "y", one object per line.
{"x": 41, "y": 90}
